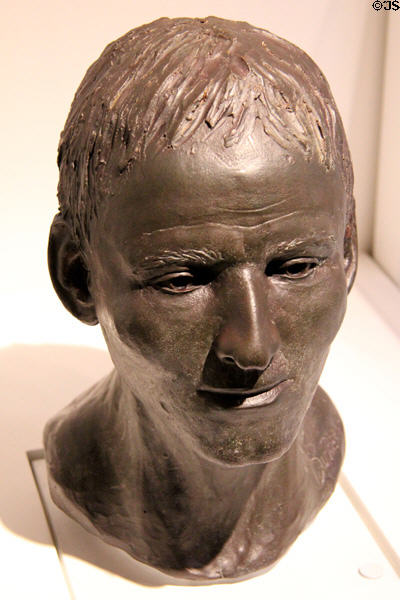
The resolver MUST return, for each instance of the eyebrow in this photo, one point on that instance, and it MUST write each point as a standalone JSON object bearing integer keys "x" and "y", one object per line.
{"x": 183, "y": 257}
{"x": 323, "y": 242}
{"x": 208, "y": 257}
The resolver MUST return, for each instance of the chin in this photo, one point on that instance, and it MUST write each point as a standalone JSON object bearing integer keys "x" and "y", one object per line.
{"x": 258, "y": 439}
{"x": 239, "y": 452}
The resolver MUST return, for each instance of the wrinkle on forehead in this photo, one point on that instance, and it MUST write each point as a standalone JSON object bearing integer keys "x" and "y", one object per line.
{"x": 228, "y": 227}
{"x": 259, "y": 209}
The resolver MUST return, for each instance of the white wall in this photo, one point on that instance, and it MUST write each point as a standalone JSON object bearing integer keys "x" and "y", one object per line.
{"x": 46, "y": 47}
{"x": 387, "y": 222}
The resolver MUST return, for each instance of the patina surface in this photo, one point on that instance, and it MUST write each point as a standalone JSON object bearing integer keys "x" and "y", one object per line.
{"x": 207, "y": 223}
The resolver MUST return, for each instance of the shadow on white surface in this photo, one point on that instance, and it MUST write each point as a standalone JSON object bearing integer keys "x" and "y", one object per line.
{"x": 36, "y": 381}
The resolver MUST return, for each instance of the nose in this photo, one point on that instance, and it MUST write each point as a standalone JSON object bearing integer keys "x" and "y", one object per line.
{"x": 249, "y": 337}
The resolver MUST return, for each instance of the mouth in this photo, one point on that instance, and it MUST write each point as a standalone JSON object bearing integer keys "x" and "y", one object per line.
{"x": 242, "y": 398}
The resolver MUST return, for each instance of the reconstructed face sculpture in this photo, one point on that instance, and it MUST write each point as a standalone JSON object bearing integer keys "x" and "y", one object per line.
{"x": 219, "y": 280}
{"x": 207, "y": 223}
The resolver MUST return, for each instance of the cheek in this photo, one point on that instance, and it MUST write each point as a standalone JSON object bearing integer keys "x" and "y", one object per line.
{"x": 310, "y": 315}
{"x": 173, "y": 331}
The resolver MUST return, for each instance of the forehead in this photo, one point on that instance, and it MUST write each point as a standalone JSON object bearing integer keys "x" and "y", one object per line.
{"x": 203, "y": 186}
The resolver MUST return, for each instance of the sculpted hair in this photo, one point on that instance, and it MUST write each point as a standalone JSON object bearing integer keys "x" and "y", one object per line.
{"x": 153, "y": 88}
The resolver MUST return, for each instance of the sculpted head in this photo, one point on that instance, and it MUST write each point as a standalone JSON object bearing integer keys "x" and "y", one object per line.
{"x": 207, "y": 222}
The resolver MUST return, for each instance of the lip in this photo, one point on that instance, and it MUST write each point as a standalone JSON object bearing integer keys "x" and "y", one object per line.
{"x": 243, "y": 398}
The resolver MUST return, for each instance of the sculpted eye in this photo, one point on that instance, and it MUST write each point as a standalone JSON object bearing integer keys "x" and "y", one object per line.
{"x": 295, "y": 268}
{"x": 178, "y": 283}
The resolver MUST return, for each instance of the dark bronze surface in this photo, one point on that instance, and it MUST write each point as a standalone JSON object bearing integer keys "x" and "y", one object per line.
{"x": 207, "y": 223}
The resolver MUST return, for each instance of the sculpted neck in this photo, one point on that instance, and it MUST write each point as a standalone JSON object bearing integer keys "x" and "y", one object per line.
{"x": 179, "y": 479}
{"x": 174, "y": 468}
{"x": 211, "y": 516}
{"x": 129, "y": 479}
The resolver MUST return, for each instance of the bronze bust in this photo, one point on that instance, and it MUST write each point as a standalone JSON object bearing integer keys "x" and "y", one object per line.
{"x": 206, "y": 221}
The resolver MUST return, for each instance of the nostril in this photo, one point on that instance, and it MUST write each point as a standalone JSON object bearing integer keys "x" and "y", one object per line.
{"x": 249, "y": 365}
{"x": 228, "y": 360}
{"x": 252, "y": 362}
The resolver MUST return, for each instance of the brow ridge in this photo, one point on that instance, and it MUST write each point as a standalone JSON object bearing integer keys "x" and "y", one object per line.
{"x": 167, "y": 257}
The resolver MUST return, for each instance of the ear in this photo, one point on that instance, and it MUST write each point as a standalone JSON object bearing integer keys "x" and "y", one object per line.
{"x": 350, "y": 252}
{"x": 69, "y": 273}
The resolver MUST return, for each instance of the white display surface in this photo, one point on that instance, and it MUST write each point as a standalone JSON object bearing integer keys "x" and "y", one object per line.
{"x": 386, "y": 246}
{"x": 362, "y": 377}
